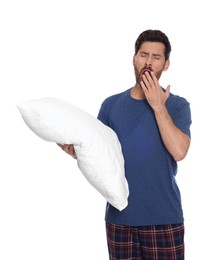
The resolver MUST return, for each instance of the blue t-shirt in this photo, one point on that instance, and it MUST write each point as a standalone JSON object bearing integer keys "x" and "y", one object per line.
{"x": 150, "y": 170}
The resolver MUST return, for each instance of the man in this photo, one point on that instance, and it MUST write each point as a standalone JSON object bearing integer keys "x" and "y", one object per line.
{"x": 153, "y": 126}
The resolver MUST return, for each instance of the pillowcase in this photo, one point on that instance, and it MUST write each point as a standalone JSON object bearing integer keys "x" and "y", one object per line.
{"x": 98, "y": 150}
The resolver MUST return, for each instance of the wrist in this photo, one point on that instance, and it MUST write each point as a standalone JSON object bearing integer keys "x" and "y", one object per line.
{"x": 160, "y": 110}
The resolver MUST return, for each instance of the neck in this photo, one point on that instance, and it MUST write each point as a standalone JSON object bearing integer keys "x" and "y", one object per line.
{"x": 137, "y": 92}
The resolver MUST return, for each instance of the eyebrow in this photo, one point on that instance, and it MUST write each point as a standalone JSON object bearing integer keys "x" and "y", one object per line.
{"x": 154, "y": 54}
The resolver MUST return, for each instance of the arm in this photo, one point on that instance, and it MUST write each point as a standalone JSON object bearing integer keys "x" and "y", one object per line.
{"x": 176, "y": 142}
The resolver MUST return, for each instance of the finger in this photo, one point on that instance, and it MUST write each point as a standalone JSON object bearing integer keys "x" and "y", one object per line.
{"x": 66, "y": 148}
{"x": 144, "y": 87}
{"x": 149, "y": 77}
{"x": 72, "y": 151}
{"x": 145, "y": 81}
{"x": 167, "y": 91}
{"x": 154, "y": 79}
{"x": 60, "y": 145}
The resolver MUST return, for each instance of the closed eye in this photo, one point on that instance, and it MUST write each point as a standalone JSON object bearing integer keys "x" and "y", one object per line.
{"x": 143, "y": 54}
{"x": 157, "y": 57}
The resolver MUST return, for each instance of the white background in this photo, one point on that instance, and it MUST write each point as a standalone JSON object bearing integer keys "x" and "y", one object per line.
{"x": 81, "y": 51}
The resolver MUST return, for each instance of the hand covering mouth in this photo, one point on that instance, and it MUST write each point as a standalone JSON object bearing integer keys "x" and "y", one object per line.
{"x": 149, "y": 69}
{"x": 145, "y": 69}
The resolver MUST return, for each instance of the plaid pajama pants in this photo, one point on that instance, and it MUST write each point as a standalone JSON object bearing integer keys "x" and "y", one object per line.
{"x": 161, "y": 242}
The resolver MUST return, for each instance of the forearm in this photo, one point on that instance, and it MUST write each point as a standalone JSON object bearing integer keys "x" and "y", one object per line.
{"x": 176, "y": 142}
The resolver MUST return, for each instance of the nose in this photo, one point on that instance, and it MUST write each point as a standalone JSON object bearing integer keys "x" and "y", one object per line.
{"x": 148, "y": 61}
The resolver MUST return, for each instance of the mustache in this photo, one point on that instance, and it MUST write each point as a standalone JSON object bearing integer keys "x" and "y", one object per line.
{"x": 146, "y": 68}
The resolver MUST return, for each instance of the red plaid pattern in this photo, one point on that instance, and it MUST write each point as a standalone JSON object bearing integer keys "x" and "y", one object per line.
{"x": 160, "y": 242}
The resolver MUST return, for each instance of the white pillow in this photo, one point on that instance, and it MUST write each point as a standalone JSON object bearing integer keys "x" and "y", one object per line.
{"x": 98, "y": 150}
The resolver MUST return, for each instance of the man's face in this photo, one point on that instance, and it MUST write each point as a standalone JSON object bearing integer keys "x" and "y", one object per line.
{"x": 150, "y": 57}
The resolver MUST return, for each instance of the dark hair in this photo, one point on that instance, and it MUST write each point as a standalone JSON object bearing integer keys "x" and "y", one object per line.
{"x": 154, "y": 36}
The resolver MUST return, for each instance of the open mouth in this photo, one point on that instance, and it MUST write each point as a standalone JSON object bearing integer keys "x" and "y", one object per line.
{"x": 146, "y": 69}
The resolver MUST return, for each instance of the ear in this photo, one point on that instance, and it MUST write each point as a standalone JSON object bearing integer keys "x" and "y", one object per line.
{"x": 134, "y": 60}
{"x": 167, "y": 64}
